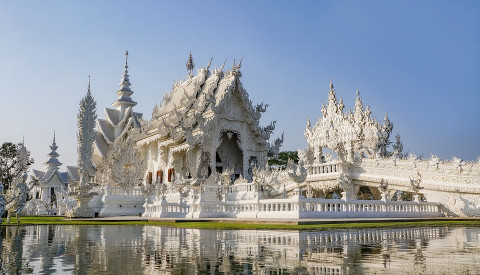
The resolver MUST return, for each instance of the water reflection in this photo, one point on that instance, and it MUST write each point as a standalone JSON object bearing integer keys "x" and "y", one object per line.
{"x": 162, "y": 250}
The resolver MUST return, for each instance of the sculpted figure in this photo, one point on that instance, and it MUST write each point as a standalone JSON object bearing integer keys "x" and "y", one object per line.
{"x": 19, "y": 198}
{"x": 2, "y": 202}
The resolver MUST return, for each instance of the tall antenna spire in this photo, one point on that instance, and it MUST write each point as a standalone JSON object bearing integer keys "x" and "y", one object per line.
{"x": 190, "y": 64}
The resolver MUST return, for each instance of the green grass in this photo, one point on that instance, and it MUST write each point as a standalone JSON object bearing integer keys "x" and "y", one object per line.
{"x": 236, "y": 225}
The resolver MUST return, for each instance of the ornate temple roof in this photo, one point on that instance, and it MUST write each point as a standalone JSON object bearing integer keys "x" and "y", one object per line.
{"x": 348, "y": 133}
{"x": 52, "y": 169}
{"x": 120, "y": 119}
{"x": 188, "y": 110}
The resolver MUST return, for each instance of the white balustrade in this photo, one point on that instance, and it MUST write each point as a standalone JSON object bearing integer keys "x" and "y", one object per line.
{"x": 297, "y": 208}
{"x": 325, "y": 168}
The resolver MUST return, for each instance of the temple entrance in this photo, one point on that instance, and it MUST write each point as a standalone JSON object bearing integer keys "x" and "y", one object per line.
{"x": 229, "y": 155}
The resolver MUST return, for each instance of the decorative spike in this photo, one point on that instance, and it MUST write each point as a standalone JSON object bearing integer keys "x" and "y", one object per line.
{"x": 88, "y": 89}
{"x": 126, "y": 59}
{"x": 331, "y": 84}
{"x": 190, "y": 64}
{"x": 224, "y": 62}
{"x": 210, "y": 63}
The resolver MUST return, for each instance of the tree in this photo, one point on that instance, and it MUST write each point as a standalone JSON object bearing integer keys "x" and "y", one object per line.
{"x": 282, "y": 158}
{"x": 14, "y": 160}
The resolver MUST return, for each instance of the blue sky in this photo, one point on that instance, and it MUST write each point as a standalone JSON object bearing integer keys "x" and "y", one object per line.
{"x": 418, "y": 60}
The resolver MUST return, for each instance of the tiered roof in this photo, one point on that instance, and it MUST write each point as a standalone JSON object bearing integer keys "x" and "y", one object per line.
{"x": 119, "y": 120}
{"x": 187, "y": 112}
{"x": 52, "y": 167}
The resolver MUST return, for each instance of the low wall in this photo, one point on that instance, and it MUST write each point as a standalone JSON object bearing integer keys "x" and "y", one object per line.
{"x": 296, "y": 208}
{"x": 119, "y": 201}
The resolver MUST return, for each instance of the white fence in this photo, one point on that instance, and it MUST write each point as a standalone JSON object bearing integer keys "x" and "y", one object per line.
{"x": 296, "y": 208}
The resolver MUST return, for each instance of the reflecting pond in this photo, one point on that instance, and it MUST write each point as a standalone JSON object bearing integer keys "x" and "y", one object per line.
{"x": 111, "y": 249}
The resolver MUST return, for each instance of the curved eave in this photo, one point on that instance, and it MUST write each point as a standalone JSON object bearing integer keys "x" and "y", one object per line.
{"x": 112, "y": 116}
{"x": 101, "y": 144}
{"x": 124, "y": 101}
{"x": 106, "y": 130}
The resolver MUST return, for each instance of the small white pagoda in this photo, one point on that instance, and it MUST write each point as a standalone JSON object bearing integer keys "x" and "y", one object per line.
{"x": 50, "y": 196}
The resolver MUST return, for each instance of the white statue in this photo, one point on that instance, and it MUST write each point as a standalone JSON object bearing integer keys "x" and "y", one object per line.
{"x": 2, "y": 202}
{"x": 19, "y": 197}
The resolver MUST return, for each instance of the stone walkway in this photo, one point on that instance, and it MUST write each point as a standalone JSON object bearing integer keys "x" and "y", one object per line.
{"x": 279, "y": 221}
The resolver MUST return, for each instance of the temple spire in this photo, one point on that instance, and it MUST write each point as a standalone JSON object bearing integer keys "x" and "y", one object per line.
{"x": 53, "y": 162}
{"x": 126, "y": 59}
{"x": 124, "y": 100}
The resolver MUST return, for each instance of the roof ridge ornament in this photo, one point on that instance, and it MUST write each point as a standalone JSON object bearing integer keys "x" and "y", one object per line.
{"x": 209, "y": 63}
{"x": 88, "y": 89}
{"x": 190, "y": 64}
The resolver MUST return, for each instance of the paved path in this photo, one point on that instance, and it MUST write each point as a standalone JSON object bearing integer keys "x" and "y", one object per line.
{"x": 279, "y": 221}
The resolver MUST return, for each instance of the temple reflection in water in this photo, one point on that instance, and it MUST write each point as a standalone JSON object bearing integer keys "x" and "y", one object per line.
{"x": 163, "y": 250}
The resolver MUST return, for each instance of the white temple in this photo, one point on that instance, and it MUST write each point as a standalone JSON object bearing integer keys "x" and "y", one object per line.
{"x": 50, "y": 196}
{"x": 204, "y": 154}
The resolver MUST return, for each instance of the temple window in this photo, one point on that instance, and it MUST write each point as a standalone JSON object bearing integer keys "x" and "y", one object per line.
{"x": 170, "y": 174}
{"x": 160, "y": 176}
{"x": 150, "y": 177}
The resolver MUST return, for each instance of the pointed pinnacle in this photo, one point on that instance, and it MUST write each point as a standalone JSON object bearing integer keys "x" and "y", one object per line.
{"x": 126, "y": 59}
{"x": 88, "y": 90}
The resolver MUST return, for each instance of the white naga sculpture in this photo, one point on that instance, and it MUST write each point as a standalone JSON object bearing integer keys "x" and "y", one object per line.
{"x": 19, "y": 197}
